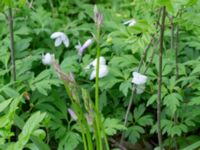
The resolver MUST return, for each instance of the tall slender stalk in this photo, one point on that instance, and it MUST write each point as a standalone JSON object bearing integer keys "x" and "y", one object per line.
{"x": 172, "y": 32}
{"x": 97, "y": 72}
{"x": 12, "y": 50}
{"x": 98, "y": 18}
{"x": 162, "y": 29}
{"x": 176, "y": 52}
{"x": 98, "y": 119}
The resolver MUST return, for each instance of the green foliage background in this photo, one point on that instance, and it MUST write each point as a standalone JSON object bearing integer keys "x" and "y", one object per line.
{"x": 42, "y": 122}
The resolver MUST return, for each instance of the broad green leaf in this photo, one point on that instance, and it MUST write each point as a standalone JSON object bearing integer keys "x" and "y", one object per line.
{"x": 31, "y": 124}
{"x": 4, "y": 104}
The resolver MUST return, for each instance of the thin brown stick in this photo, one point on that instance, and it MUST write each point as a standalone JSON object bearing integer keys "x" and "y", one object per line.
{"x": 176, "y": 52}
{"x": 162, "y": 29}
{"x": 140, "y": 65}
{"x": 151, "y": 57}
{"x": 12, "y": 50}
{"x": 145, "y": 52}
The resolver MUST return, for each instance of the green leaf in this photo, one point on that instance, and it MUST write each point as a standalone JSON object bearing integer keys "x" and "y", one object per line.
{"x": 39, "y": 143}
{"x": 125, "y": 86}
{"x": 167, "y": 3}
{"x": 139, "y": 111}
{"x": 172, "y": 101}
{"x": 70, "y": 141}
{"x": 145, "y": 120}
{"x": 195, "y": 101}
{"x": 29, "y": 127}
{"x": 152, "y": 99}
{"x": 133, "y": 133}
{"x": 4, "y": 104}
{"x": 111, "y": 126}
{"x": 192, "y": 146}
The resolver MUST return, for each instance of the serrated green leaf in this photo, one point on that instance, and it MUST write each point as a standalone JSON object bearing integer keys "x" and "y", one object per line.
{"x": 139, "y": 111}
{"x": 133, "y": 133}
{"x": 125, "y": 86}
{"x": 111, "y": 126}
{"x": 172, "y": 101}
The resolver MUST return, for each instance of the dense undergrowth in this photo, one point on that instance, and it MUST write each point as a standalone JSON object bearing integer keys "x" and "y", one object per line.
{"x": 147, "y": 95}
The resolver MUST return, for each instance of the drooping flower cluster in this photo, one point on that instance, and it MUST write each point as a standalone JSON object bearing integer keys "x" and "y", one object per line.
{"x": 139, "y": 80}
{"x": 103, "y": 68}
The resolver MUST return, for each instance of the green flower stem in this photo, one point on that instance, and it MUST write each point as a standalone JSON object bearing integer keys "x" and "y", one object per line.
{"x": 98, "y": 119}
{"x": 97, "y": 73}
{"x": 81, "y": 117}
{"x": 105, "y": 137}
{"x": 96, "y": 133}
{"x": 89, "y": 139}
{"x": 83, "y": 137}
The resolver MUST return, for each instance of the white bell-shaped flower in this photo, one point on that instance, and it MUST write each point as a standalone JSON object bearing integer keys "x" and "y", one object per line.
{"x": 139, "y": 78}
{"x": 47, "y": 59}
{"x": 103, "y": 71}
{"x": 60, "y": 38}
{"x": 131, "y": 22}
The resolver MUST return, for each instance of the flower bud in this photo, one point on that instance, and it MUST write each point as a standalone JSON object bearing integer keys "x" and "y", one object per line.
{"x": 98, "y": 17}
{"x": 72, "y": 114}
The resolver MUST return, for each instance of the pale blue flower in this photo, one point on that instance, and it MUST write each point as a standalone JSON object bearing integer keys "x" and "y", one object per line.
{"x": 84, "y": 46}
{"x": 60, "y": 38}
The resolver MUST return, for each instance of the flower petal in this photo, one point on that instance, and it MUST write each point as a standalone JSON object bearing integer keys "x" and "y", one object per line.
{"x": 139, "y": 78}
{"x": 93, "y": 74}
{"x": 47, "y": 59}
{"x": 65, "y": 40}
{"x": 58, "y": 42}
{"x": 131, "y": 22}
{"x": 140, "y": 89}
{"x": 103, "y": 71}
{"x": 56, "y": 35}
{"x": 85, "y": 45}
{"x": 102, "y": 61}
